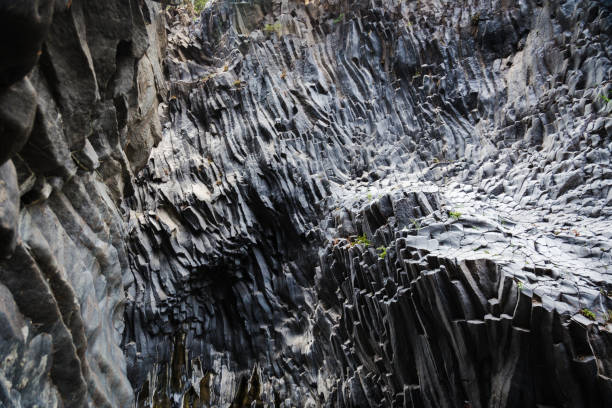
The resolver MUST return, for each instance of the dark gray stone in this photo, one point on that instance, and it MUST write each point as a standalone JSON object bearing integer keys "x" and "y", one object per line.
{"x": 374, "y": 204}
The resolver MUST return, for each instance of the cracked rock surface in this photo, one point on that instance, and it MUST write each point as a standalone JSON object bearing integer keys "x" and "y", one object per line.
{"x": 320, "y": 203}
{"x": 79, "y": 86}
{"x": 378, "y": 203}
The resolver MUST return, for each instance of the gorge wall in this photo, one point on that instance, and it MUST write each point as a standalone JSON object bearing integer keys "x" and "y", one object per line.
{"x": 81, "y": 81}
{"x": 371, "y": 203}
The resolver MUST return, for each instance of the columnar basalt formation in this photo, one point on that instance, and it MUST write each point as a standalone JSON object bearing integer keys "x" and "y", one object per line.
{"x": 323, "y": 203}
{"x": 379, "y": 203}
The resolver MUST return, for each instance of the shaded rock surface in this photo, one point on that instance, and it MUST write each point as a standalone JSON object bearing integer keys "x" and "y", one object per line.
{"x": 80, "y": 83}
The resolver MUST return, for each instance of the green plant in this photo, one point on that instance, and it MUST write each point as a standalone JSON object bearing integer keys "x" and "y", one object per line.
{"x": 369, "y": 196}
{"x": 271, "y": 28}
{"x": 339, "y": 18}
{"x": 454, "y": 214}
{"x": 520, "y": 285}
{"x": 198, "y": 5}
{"x": 362, "y": 239}
{"x": 383, "y": 252}
{"x": 416, "y": 224}
{"x": 587, "y": 313}
{"x": 605, "y": 98}
{"x": 237, "y": 83}
{"x": 609, "y": 316}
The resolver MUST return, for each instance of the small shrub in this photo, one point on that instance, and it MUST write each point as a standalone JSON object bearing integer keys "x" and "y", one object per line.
{"x": 605, "y": 98}
{"x": 520, "y": 285}
{"x": 454, "y": 214}
{"x": 587, "y": 313}
{"x": 383, "y": 252}
{"x": 271, "y": 28}
{"x": 369, "y": 196}
{"x": 363, "y": 240}
{"x": 198, "y": 5}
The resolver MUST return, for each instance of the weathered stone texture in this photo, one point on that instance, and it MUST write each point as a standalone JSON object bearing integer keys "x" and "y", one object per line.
{"x": 363, "y": 203}
{"x": 76, "y": 77}
{"x": 469, "y": 142}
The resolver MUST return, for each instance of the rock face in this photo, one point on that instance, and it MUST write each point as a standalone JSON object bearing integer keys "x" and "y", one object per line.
{"x": 371, "y": 203}
{"x": 378, "y": 203}
{"x": 79, "y": 92}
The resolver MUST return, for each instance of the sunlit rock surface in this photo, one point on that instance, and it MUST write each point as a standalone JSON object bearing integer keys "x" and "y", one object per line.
{"x": 378, "y": 204}
{"x": 312, "y": 203}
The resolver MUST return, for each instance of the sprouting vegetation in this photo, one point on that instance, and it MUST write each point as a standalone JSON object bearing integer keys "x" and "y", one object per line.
{"x": 198, "y": 5}
{"x": 520, "y": 285}
{"x": 383, "y": 252}
{"x": 339, "y": 18}
{"x": 454, "y": 214}
{"x": 272, "y": 28}
{"x": 369, "y": 196}
{"x": 363, "y": 240}
{"x": 237, "y": 83}
{"x": 605, "y": 97}
{"x": 588, "y": 314}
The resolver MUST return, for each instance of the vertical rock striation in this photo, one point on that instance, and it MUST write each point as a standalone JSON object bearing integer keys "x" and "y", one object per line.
{"x": 378, "y": 203}
{"x": 78, "y": 110}
{"x": 360, "y": 203}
